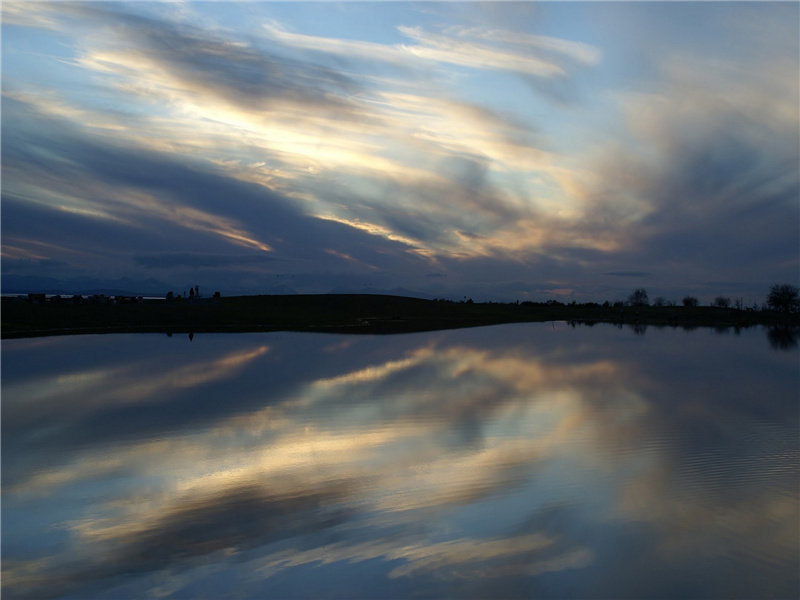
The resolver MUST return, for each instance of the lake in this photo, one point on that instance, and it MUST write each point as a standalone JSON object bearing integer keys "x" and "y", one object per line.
{"x": 516, "y": 461}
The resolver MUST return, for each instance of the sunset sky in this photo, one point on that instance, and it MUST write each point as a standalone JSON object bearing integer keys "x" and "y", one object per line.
{"x": 499, "y": 151}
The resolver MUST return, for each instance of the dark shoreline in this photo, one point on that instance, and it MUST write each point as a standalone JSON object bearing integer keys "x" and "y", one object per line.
{"x": 341, "y": 313}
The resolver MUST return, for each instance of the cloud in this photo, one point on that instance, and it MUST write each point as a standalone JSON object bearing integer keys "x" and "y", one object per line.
{"x": 576, "y": 51}
{"x": 170, "y": 260}
{"x": 627, "y": 274}
{"x": 427, "y": 202}
{"x": 442, "y": 48}
{"x": 128, "y": 201}
{"x": 475, "y": 47}
{"x": 395, "y": 167}
{"x": 352, "y": 49}
{"x": 462, "y": 188}
{"x": 28, "y": 14}
{"x": 707, "y": 183}
{"x": 185, "y": 58}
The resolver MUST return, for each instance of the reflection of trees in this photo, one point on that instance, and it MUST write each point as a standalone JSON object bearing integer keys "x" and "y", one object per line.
{"x": 639, "y": 328}
{"x": 783, "y": 337}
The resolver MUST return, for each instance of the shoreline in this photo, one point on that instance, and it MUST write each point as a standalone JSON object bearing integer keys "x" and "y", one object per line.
{"x": 345, "y": 313}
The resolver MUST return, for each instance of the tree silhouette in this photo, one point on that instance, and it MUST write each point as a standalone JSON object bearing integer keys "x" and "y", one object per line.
{"x": 639, "y": 298}
{"x": 690, "y": 301}
{"x": 784, "y": 297}
{"x": 722, "y": 302}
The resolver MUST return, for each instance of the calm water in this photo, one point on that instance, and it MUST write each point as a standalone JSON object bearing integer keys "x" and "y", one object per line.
{"x": 536, "y": 460}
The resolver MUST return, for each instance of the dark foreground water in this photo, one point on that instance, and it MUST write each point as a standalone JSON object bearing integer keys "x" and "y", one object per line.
{"x": 536, "y": 461}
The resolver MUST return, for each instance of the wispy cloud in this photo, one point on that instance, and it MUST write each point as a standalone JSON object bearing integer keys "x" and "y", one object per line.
{"x": 442, "y": 48}
{"x": 474, "y": 47}
{"x": 577, "y": 51}
{"x": 445, "y": 148}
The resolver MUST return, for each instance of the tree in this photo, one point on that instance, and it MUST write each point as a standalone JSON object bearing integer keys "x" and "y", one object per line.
{"x": 690, "y": 301}
{"x": 639, "y": 298}
{"x": 784, "y": 297}
{"x": 722, "y": 302}
{"x": 659, "y": 301}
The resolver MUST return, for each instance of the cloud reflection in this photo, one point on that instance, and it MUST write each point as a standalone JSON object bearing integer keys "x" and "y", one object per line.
{"x": 489, "y": 455}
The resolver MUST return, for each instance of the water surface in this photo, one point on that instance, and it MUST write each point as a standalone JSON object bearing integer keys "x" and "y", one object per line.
{"x": 534, "y": 460}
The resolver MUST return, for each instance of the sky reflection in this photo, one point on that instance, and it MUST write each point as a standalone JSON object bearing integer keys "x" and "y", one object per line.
{"x": 519, "y": 460}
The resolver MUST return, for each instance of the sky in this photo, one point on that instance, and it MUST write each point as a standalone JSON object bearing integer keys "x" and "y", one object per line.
{"x": 501, "y": 151}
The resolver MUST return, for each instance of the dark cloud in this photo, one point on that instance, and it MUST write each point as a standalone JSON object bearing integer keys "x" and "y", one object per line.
{"x": 170, "y": 260}
{"x": 720, "y": 201}
{"x": 87, "y": 167}
{"x": 627, "y": 273}
{"x": 41, "y": 266}
{"x": 462, "y": 198}
{"x": 245, "y": 74}
{"x": 563, "y": 91}
{"x": 717, "y": 206}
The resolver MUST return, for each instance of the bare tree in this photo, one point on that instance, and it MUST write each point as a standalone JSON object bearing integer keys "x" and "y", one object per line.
{"x": 690, "y": 301}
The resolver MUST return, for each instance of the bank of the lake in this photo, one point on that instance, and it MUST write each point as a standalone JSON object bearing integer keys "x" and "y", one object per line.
{"x": 339, "y": 313}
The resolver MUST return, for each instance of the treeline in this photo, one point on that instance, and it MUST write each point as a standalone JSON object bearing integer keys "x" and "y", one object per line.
{"x": 781, "y": 297}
